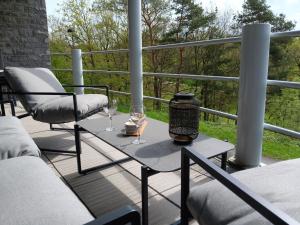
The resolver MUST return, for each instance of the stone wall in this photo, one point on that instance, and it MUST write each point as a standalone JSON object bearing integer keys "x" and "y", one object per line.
{"x": 24, "y": 33}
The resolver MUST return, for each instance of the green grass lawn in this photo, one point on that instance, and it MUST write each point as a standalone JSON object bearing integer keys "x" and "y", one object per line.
{"x": 275, "y": 145}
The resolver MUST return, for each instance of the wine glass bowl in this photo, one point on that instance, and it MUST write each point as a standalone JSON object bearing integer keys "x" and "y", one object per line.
{"x": 110, "y": 110}
{"x": 138, "y": 119}
{"x": 105, "y": 109}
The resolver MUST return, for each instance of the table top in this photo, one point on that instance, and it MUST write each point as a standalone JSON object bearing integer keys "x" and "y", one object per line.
{"x": 159, "y": 152}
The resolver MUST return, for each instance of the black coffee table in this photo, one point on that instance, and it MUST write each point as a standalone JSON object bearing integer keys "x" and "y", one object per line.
{"x": 158, "y": 154}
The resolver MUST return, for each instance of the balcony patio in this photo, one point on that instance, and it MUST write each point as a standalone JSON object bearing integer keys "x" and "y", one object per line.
{"x": 109, "y": 189}
{"x": 103, "y": 191}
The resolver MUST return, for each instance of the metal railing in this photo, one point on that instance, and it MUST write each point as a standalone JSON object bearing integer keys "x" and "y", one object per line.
{"x": 226, "y": 115}
{"x": 202, "y": 43}
{"x": 279, "y": 83}
{"x": 283, "y": 84}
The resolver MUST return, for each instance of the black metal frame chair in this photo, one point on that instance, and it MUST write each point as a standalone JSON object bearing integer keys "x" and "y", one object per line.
{"x": 76, "y": 127}
{"x": 122, "y": 216}
{"x": 3, "y": 83}
{"x": 3, "y": 101}
{"x": 258, "y": 203}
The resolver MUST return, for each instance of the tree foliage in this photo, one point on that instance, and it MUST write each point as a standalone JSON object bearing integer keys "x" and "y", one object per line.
{"x": 258, "y": 11}
{"x": 102, "y": 25}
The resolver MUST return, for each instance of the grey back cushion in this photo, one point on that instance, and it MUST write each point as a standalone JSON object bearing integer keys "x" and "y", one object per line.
{"x": 279, "y": 183}
{"x": 14, "y": 139}
{"x": 33, "y": 80}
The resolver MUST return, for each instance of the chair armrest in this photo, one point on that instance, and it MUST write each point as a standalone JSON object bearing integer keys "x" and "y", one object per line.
{"x": 48, "y": 93}
{"x": 120, "y": 216}
{"x": 94, "y": 86}
{"x": 258, "y": 203}
{"x": 37, "y": 93}
{"x": 89, "y": 86}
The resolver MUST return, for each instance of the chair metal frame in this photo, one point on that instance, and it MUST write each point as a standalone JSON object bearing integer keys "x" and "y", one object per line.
{"x": 258, "y": 203}
{"x": 122, "y": 216}
{"x": 9, "y": 100}
{"x": 76, "y": 118}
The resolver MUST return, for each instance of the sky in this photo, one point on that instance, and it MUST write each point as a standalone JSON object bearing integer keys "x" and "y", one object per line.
{"x": 291, "y": 8}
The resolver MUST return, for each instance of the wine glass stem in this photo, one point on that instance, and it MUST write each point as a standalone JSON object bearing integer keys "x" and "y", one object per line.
{"x": 110, "y": 121}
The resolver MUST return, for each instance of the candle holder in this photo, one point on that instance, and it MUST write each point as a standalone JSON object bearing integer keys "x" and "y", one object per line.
{"x": 183, "y": 118}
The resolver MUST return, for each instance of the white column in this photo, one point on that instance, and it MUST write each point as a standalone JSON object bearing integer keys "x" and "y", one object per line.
{"x": 77, "y": 70}
{"x": 135, "y": 53}
{"x": 252, "y": 93}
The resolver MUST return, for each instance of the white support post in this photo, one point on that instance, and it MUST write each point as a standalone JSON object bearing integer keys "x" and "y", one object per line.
{"x": 135, "y": 54}
{"x": 252, "y": 94}
{"x": 77, "y": 70}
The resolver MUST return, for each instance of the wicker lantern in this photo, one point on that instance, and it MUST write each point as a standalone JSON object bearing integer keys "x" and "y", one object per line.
{"x": 184, "y": 118}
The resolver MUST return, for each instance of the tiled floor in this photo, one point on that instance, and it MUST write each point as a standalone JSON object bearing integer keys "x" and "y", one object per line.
{"x": 116, "y": 186}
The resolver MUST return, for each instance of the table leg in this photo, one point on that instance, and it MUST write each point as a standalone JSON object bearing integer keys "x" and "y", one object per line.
{"x": 144, "y": 173}
{"x": 224, "y": 161}
{"x": 78, "y": 147}
{"x": 12, "y": 107}
{"x": 2, "y": 109}
{"x": 185, "y": 188}
{"x": 77, "y": 130}
{"x": 1, "y": 102}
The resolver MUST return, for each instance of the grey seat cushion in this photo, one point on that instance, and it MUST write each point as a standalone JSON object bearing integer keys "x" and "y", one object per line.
{"x": 14, "y": 139}
{"x": 50, "y": 108}
{"x": 279, "y": 183}
{"x": 33, "y": 80}
{"x": 31, "y": 194}
{"x": 61, "y": 110}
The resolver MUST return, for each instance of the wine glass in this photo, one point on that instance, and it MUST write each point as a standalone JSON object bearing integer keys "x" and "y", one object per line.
{"x": 138, "y": 118}
{"x": 110, "y": 109}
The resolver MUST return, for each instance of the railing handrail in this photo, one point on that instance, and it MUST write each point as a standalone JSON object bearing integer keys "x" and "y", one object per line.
{"x": 293, "y": 33}
{"x": 279, "y": 83}
{"x": 195, "y": 43}
{"x": 61, "y": 53}
{"x": 230, "y": 116}
{"x": 218, "y": 41}
{"x": 105, "y": 51}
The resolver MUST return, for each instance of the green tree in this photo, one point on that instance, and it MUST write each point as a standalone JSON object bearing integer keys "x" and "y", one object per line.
{"x": 155, "y": 15}
{"x": 189, "y": 18}
{"x": 77, "y": 17}
{"x": 257, "y": 11}
{"x": 217, "y": 60}
{"x": 95, "y": 26}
